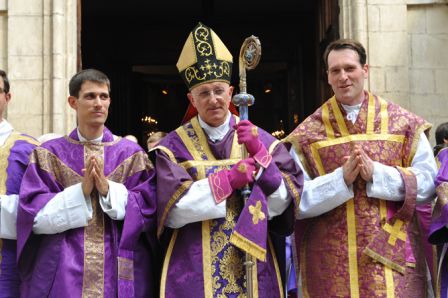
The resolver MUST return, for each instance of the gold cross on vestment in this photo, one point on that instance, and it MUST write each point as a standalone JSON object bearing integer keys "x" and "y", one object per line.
{"x": 256, "y": 212}
{"x": 395, "y": 231}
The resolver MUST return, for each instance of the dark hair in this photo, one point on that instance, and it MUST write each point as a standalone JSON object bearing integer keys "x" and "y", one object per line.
{"x": 5, "y": 81}
{"x": 342, "y": 44}
{"x": 441, "y": 135}
{"x": 91, "y": 75}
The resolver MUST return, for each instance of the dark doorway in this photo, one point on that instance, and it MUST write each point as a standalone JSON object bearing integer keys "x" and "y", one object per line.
{"x": 137, "y": 44}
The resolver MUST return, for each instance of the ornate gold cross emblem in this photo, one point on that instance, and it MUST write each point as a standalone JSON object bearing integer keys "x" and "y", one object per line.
{"x": 395, "y": 231}
{"x": 256, "y": 212}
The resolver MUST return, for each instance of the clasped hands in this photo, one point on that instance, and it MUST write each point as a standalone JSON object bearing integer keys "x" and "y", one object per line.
{"x": 94, "y": 178}
{"x": 357, "y": 163}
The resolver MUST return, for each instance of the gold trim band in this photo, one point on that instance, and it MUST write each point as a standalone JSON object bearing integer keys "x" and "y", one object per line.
{"x": 352, "y": 249}
{"x": 166, "y": 262}
{"x": 184, "y": 186}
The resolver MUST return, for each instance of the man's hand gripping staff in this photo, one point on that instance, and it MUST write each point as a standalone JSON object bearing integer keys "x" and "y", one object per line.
{"x": 248, "y": 135}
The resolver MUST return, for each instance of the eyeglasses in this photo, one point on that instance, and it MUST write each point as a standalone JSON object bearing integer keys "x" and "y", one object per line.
{"x": 207, "y": 94}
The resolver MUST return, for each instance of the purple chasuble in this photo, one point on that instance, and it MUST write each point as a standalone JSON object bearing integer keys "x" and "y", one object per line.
{"x": 200, "y": 261}
{"x": 366, "y": 247}
{"x": 14, "y": 157}
{"x": 439, "y": 224}
{"x": 107, "y": 258}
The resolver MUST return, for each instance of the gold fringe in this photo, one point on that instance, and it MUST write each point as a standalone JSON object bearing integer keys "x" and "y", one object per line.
{"x": 248, "y": 246}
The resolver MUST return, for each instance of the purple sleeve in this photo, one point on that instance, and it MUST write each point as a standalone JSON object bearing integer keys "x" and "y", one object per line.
{"x": 17, "y": 162}
{"x": 172, "y": 184}
{"x": 282, "y": 164}
{"x": 140, "y": 209}
{"x": 37, "y": 189}
{"x": 442, "y": 175}
{"x": 438, "y": 232}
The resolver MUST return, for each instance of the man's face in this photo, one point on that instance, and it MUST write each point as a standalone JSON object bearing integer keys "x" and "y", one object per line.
{"x": 4, "y": 98}
{"x": 92, "y": 104}
{"x": 346, "y": 76}
{"x": 212, "y": 101}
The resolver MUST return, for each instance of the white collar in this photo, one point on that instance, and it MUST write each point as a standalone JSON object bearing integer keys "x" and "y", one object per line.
{"x": 348, "y": 108}
{"x": 5, "y": 130}
{"x": 352, "y": 111}
{"x": 82, "y": 139}
{"x": 216, "y": 133}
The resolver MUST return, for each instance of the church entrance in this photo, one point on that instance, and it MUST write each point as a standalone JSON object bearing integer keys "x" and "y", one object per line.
{"x": 137, "y": 44}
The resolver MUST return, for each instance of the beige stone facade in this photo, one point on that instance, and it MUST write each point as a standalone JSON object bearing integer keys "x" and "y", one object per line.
{"x": 406, "y": 42}
{"x": 38, "y": 50}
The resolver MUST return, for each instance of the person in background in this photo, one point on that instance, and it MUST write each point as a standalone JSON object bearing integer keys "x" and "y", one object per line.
{"x": 15, "y": 149}
{"x": 152, "y": 142}
{"x": 441, "y": 137}
{"x": 87, "y": 212}
{"x": 439, "y": 224}
{"x": 154, "y": 139}
{"x": 368, "y": 166}
{"x": 203, "y": 224}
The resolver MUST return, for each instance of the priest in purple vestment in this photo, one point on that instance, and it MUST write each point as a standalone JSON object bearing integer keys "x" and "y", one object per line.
{"x": 15, "y": 149}
{"x": 366, "y": 202}
{"x": 205, "y": 226}
{"x": 439, "y": 224}
{"x": 87, "y": 212}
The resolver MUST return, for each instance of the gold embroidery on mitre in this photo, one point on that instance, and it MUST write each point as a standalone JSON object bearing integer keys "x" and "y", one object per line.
{"x": 257, "y": 214}
{"x": 204, "y": 58}
{"x": 193, "y": 73}
{"x": 202, "y": 35}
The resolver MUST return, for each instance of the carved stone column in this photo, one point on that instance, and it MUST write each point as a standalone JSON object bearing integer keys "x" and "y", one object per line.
{"x": 41, "y": 58}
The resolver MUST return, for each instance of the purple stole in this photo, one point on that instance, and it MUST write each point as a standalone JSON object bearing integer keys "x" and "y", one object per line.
{"x": 366, "y": 247}
{"x": 438, "y": 230}
{"x": 201, "y": 260}
{"x": 14, "y": 158}
{"x": 107, "y": 258}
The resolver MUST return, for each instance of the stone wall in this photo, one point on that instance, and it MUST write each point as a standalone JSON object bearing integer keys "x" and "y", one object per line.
{"x": 428, "y": 61}
{"x": 406, "y": 42}
{"x": 3, "y": 35}
{"x": 39, "y": 54}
